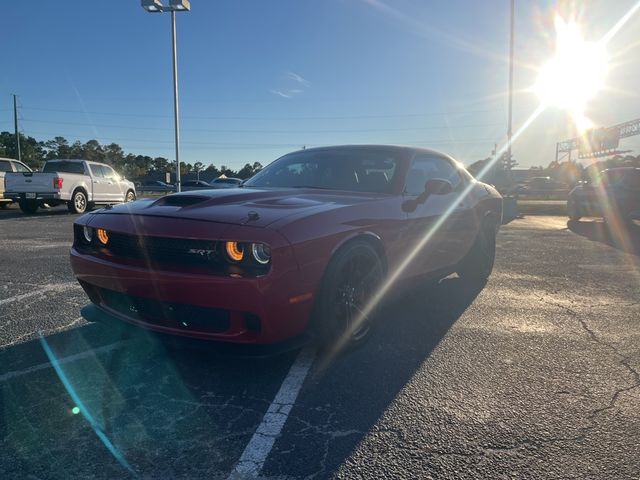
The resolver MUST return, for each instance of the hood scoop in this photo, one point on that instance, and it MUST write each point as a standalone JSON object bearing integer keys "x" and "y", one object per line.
{"x": 180, "y": 200}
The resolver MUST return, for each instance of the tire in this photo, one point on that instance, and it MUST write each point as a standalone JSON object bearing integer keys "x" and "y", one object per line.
{"x": 352, "y": 277}
{"x": 477, "y": 265}
{"x": 28, "y": 207}
{"x": 78, "y": 203}
{"x": 4, "y": 205}
{"x": 573, "y": 211}
{"x": 130, "y": 196}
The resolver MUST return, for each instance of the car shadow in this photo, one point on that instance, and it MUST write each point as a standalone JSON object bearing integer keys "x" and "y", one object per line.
{"x": 13, "y": 211}
{"x": 345, "y": 399}
{"x": 625, "y": 236}
{"x": 124, "y": 397}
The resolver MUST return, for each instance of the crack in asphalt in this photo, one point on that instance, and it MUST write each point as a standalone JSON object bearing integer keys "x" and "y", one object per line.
{"x": 623, "y": 360}
{"x": 524, "y": 444}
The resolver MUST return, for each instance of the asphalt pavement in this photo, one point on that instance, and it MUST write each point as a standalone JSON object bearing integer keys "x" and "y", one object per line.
{"x": 535, "y": 376}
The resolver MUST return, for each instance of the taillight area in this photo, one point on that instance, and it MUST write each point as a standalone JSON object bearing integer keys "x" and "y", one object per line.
{"x": 57, "y": 183}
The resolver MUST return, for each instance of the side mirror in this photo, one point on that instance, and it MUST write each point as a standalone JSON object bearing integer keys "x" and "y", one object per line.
{"x": 437, "y": 186}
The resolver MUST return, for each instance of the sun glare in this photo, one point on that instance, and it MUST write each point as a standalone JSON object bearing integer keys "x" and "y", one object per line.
{"x": 575, "y": 74}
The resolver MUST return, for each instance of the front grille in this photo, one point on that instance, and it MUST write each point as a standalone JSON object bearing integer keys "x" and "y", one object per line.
{"x": 189, "y": 318}
{"x": 159, "y": 253}
{"x": 161, "y": 250}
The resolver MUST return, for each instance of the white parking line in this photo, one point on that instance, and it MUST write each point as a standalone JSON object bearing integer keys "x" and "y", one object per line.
{"x": 62, "y": 361}
{"x": 257, "y": 450}
{"x": 56, "y": 287}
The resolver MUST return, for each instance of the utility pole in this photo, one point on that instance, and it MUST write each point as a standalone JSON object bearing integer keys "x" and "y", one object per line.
{"x": 509, "y": 161}
{"x": 15, "y": 125}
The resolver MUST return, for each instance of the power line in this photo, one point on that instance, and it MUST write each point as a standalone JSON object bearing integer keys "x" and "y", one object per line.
{"x": 205, "y": 130}
{"x": 270, "y": 118}
{"x": 147, "y": 144}
{"x": 261, "y": 145}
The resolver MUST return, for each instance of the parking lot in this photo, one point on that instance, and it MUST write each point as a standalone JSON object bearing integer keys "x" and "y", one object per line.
{"x": 536, "y": 376}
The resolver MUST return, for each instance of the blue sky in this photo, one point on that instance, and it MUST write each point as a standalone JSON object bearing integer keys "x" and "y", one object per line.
{"x": 259, "y": 79}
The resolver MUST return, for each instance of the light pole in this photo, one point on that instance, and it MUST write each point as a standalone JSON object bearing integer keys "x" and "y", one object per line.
{"x": 509, "y": 125}
{"x": 156, "y": 6}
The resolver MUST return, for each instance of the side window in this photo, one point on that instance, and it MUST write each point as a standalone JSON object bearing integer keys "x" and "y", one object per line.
{"x": 425, "y": 168}
{"x": 5, "y": 166}
{"x": 97, "y": 171}
{"x": 20, "y": 167}
{"x": 110, "y": 173}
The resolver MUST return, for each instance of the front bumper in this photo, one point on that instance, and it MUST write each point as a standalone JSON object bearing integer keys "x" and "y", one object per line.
{"x": 225, "y": 307}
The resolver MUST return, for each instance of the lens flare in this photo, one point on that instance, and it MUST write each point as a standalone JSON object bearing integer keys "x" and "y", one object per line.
{"x": 575, "y": 74}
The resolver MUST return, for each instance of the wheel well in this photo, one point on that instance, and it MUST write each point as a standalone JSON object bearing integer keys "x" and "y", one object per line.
{"x": 372, "y": 240}
{"x": 82, "y": 189}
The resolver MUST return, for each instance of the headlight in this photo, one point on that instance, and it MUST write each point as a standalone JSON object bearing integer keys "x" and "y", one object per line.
{"x": 235, "y": 251}
{"x": 261, "y": 253}
{"x": 87, "y": 234}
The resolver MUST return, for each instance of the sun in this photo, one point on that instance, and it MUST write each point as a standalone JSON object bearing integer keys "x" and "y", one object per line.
{"x": 575, "y": 74}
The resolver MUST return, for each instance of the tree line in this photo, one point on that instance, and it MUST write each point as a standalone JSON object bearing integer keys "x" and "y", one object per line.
{"x": 35, "y": 153}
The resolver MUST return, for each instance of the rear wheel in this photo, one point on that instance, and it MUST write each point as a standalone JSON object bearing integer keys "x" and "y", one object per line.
{"x": 130, "y": 197}
{"x": 28, "y": 207}
{"x": 78, "y": 203}
{"x": 477, "y": 265}
{"x": 342, "y": 312}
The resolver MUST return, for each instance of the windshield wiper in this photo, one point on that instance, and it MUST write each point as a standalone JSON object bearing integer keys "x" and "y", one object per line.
{"x": 311, "y": 186}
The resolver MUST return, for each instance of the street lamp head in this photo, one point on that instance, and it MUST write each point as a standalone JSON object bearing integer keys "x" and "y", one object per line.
{"x": 152, "y": 6}
{"x": 183, "y": 5}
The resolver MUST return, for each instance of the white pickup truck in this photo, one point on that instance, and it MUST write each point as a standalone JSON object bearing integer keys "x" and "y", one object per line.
{"x": 8, "y": 165}
{"x": 80, "y": 184}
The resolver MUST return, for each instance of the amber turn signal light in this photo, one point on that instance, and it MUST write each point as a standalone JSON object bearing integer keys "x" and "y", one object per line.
{"x": 102, "y": 235}
{"x": 234, "y": 251}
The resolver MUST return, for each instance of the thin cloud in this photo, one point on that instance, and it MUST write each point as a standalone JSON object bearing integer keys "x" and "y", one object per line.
{"x": 286, "y": 93}
{"x": 291, "y": 85}
{"x": 297, "y": 78}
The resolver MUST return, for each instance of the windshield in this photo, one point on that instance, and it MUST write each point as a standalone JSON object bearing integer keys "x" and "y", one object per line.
{"x": 364, "y": 170}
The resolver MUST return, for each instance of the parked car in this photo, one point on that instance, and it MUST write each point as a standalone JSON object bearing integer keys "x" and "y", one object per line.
{"x": 80, "y": 184}
{"x": 195, "y": 185}
{"x": 8, "y": 165}
{"x": 154, "y": 186}
{"x": 227, "y": 182}
{"x": 615, "y": 193}
{"x": 303, "y": 246}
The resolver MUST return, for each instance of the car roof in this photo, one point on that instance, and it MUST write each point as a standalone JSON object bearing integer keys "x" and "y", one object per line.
{"x": 406, "y": 149}
{"x": 78, "y": 160}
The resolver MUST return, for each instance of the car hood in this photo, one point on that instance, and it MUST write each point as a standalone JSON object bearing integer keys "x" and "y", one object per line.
{"x": 241, "y": 206}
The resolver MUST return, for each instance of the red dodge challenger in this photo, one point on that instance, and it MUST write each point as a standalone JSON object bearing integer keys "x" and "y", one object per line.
{"x": 309, "y": 244}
